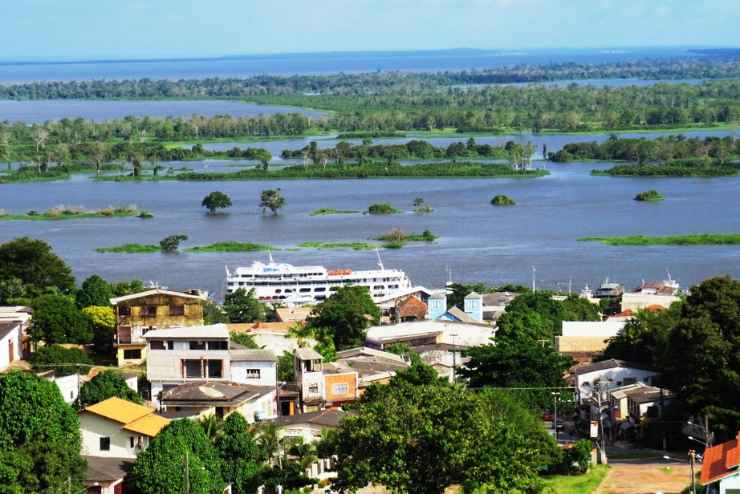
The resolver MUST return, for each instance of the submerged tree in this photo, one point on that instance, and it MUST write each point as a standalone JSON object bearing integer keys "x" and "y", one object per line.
{"x": 272, "y": 199}
{"x": 216, "y": 200}
{"x": 169, "y": 245}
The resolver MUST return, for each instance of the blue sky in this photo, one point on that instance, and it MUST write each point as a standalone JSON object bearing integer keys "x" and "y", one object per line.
{"x": 156, "y": 28}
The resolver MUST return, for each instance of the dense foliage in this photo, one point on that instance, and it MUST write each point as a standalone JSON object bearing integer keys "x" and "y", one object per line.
{"x": 651, "y": 195}
{"x": 37, "y": 268}
{"x": 424, "y": 438}
{"x": 240, "y": 455}
{"x": 346, "y": 315}
{"x": 699, "y": 168}
{"x": 272, "y": 199}
{"x": 216, "y": 200}
{"x": 62, "y": 361}
{"x": 103, "y": 322}
{"x": 696, "y": 345}
{"x": 106, "y": 385}
{"x": 56, "y": 319}
{"x": 502, "y": 200}
{"x": 94, "y": 291}
{"x": 171, "y": 244}
{"x": 39, "y": 437}
{"x": 242, "y": 306}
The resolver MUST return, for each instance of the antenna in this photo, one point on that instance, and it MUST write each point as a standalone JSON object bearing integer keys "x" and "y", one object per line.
{"x": 570, "y": 285}
{"x": 380, "y": 261}
{"x": 269, "y": 256}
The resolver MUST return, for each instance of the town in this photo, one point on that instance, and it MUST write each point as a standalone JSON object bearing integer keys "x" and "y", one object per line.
{"x": 379, "y": 386}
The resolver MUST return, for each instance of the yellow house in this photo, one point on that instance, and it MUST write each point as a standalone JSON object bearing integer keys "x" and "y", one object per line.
{"x": 152, "y": 309}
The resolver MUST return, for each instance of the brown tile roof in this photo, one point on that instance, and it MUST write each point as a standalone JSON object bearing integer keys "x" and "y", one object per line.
{"x": 721, "y": 461}
{"x": 213, "y": 393}
{"x": 412, "y": 307}
{"x": 323, "y": 418}
{"x": 101, "y": 469}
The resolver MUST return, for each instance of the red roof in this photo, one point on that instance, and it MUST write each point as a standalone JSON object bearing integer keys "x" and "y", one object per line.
{"x": 721, "y": 461}
{"x": 655, "y": 308}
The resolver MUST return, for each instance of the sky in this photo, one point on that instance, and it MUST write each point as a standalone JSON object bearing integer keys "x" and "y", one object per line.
{"x": 89, "y": 29}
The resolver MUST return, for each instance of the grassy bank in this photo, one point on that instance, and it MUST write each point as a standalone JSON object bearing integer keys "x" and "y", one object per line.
{"x": 350, "y": 171}
{"x": 690, "y": 239}
{"x": 677, "y": 169}
{"x": 338, "y": 245}
{"x": 330, "y": 211}
{"x": 130, "y": 249}
{"x": 74, "y": 213}
{"x": 400, "y": 236}
{"x": 576, "y": 484}
{"x": 230, "y": 246}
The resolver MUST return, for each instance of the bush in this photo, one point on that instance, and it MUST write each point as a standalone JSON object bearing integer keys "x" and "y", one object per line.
{"x": 169, "y": 245}
{"x": 381, "y": 208}
{"x": 649, "y": 196}
{"x": 63, "y": 361}
{"x": 106, "y": 385}
{"x": 502, "y": 200}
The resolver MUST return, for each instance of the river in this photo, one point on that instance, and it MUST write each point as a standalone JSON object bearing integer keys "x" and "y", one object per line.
{"x": 478, "y": 242}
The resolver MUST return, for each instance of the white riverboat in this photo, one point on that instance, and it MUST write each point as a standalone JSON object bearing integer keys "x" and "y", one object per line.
{"x": 299, "y": 285}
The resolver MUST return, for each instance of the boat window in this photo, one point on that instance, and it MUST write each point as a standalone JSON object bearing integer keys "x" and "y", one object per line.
{"x": 320, "y": 289}
{"x": 304, "y": 290}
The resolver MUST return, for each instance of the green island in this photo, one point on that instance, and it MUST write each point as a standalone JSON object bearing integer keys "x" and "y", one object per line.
{"x": 338, "y": 245}
{"x": 651, "y": 195}
{"x": 129, "y": 249}
{"x": 330, "y": 211}
{"x": 687, "y": 239}
{"x": 230, "y": 246}
{"x": 382, "y": 208}
{"x": 703, "y": 168}
{"x": 398, "y": 235}
{"x": 63, "y": 212}
{"x": 347, "y": 171}
{"x": 502, "y": 200}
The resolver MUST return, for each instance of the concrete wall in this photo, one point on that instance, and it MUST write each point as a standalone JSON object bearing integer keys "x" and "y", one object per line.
{"x": 268, "y": 373}
{"x": 69, "y": 387}
{"x": 333, "y": 394}
{"x": 93, "y": 427}
{"x": 166, "y": 364}
{"x": 263, "y": 408}
{"x": 592, "y": 328}
{"x": 13, "y": 338}
{"x": 617, "y": 375}
{"x": 638, "y": 301}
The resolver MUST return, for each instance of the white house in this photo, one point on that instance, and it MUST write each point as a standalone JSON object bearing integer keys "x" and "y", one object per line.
{"x": 606, "y": 329}
{"x": 106, "y": 475}
{"x": 610, "y": 373}
{"x": 201, "y": 399}
{"x": 117, "y": 428}
{"x": 257, "y": 367}
{"x": 720, "y": 468}
{"x": 429, "y": 333}
{"x": 186, "y": 354}
{"x": 11, "y": 340}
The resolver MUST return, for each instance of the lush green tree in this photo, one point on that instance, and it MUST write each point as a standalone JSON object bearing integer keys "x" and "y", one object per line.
{"x": 56, "y": 319}
{"x": 272, "y": 199}
{"x": 244, "y": 339}
{"x": 214, "y": 313}
{"x": 216, "y": 200}
{"x": 62, "y": 361}
{"x": 127, "y": 287}
{"x": 33, "y": 262}
{"x": 103, "y": 322}
{"x": 645, "y": 338}
{"x": 263, "y": 156}
{"x": 242, "y": 306}
{"x": 94, "y": 291}
{"x": 458, "y": 292}
{"x": 285, "y": 367}
{"x": 426, "y": 438}
{"x": 13, "y": 292}
{"x": 39, "y": 437}
{"x": 106, "y": 385}
{"x": 240, "y": 455}
{"x": 171, "y": 244}
{"x": 347, "y": 314}
{"x": 181, "y": 454}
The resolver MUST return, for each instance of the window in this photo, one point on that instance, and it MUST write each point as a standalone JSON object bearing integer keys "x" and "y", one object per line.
{"x": 340, "y": 389}
{"x": 215, "y": 368}
{"x": 177, "y": 310}
{"x": 218, "y": 345}
{"x": 162, "y": 345}
{"x": 124, "y": 311}
{"x": 131, "y": 441}
{"x": 253, "y": 373}
{"x": 131, "y": 354}
{"x": 148, "y": 310}
{"x": 192, "y": 369}
{"x": 197, "y": 345}
{"x": 105, "y": 444}
{"x": 313, "y": 389}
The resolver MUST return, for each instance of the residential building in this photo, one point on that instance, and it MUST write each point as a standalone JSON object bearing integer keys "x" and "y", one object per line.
{"x": 372, "y": 366}
{"x": 11, "y": 343}
{"x": 618, "y": 401}
{"x": 648, "y": 401}
{"x": 116, "y": 428}
{"x": 274, "y": 337}
{"x": 106, "y": 475}
{"x": 69, "y": 386}
{"x": 494, "y": 304}
{"x": 427, "y": 332}
{"x": 323, "y": 385}
{"x": 201, "y": 399}
{"x": 254, "y": 367}
{"x": 138, "y": 313}
{"x": 610, "y": 373}
{"x": 584, "y": 340}
{"x": 409, "y": 304}
{"x": 186, "y": 354}
{"x": 720, "y": 468}
{"x": 640, "y": 301}
{"x": 444, "y": 357}
{"x": 293, "y": 314}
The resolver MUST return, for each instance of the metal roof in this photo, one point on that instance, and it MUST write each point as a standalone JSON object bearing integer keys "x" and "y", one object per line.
{"x": 156, "y": 291}
{"x": 210, "y": 331}
{"x": 251, "y": 355}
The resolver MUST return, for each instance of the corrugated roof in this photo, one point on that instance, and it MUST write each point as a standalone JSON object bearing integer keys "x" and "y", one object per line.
{"x": 609, "y": 364}
{"x": 720, "y": 461}
{"x": 462, "y": 316}
{"x": 251, "y": 355}
{"x": 209, "y": 331}
{"x": 149, "y": 425}
{"x": 324, "y": 418}
{"x": 308, "y": 354}
{"x": 214, "y": 392}
{"x": 100, "y": 469}
{"x": 122, "y": 411}
{"x": 156, "y": 291}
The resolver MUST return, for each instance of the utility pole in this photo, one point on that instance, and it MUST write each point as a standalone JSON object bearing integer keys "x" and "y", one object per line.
{"x": 187, "y": 474}
{"x": 692, "y": 459}
{"x": 454, "y": 360}
{"x": 534, "y": 279}
{"x": 556, "y": 395}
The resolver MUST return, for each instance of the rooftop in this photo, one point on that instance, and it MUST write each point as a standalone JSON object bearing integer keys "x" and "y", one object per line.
{"x": 221, "y": 393}
{"x": 7, "y": 326}
{"x": 307, "y": 354}
{"x": 149, "y": 425}
{"x": 323, "y": 418}
{"x": 648, "y": 394}
{"x": 293, "y": 314}
{"x": 251, "y": 355}
{"x": 498, "y": 298}
{"x": 210, "y": 331}
{"x": 721, "y": 461}
{"x": 133, "y": 417}
{"x": 100, "y": 469}
{"x": 156, "y": 291}
{"x": 260, "y": 326}
{"x": 609, "y": 364}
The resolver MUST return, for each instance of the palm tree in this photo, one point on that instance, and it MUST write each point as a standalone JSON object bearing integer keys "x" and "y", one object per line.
{"x": 268, "y": 440}
{"x": 212, "y": 426}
